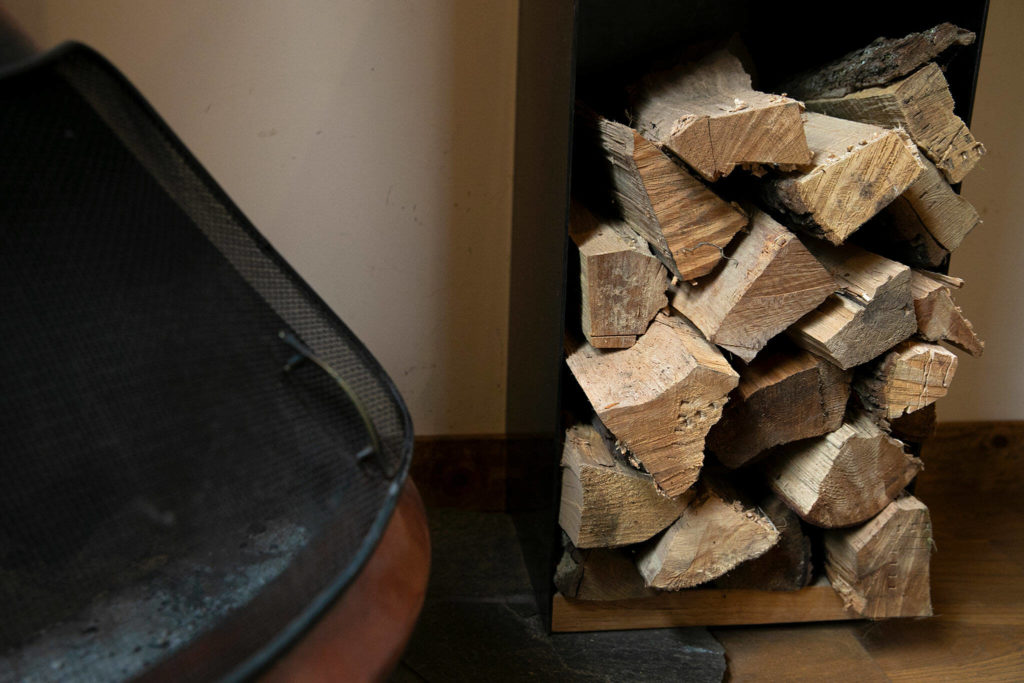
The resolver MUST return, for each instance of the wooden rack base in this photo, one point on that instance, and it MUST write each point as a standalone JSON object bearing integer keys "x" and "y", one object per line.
{"x": 700, "y": 607}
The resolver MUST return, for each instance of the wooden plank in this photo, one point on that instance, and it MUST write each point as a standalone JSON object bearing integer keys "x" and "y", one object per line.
{"x": 700, "y": 607}
{"x": 709, "y": 116}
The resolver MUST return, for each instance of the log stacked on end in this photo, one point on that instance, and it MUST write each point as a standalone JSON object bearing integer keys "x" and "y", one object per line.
{"x": 759, "y": 376}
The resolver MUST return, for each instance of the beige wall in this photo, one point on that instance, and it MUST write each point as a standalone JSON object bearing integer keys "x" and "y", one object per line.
{"x": 991, "y": 259}
{"x": 369, "y": 140}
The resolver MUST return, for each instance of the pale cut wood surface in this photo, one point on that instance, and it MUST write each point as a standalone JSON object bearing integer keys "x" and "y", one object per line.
{"x": 873, "y": 311}
{"x": 599, "y": 574}
{"x": 700, "y": 607}
{"x": 882, "y": 61}
{"x": 768, "y": 281}
{"x": 686, "y": 224}
{"x": 622, "y": 284}
{"x": 922, "y": 105}
{"x": 857, "y": 169}
{"x": 842, "y": 478}
{"x": 659, "y": 397}
{"x": 785, "y": 395}
{"x": 606, "y": 503}
{"x": 716, "y": 532}
{"x": 786, "y": 566}
{"x": 708, "y": 114}
{"x": 913, "y": 375}
{"x": 930, "y": 205}
{"x": 938, "y": 316}
{"x": 880, "y": 569}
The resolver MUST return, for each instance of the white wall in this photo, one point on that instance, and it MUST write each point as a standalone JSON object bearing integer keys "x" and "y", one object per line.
{"x": 991, "y": 259}
{"x": 369, "y": 140}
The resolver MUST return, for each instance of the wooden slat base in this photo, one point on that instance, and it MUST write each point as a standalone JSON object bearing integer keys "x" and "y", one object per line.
{"x": 700, "y": 607}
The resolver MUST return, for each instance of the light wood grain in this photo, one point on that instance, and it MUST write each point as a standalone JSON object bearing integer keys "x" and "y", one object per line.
{"x": 922, "y": 105}
{"x": 622, "y": 284}
{"x": 717, "y": 531}
{"x": 911, "y": 376}
{"x": 873, "y": 311}
{"x": 660, "y": 397}
{"x": 857, "y": 169}
{"x": 844, "y": 477}
{"x": 768, "y": 281}
{"x": 606, "y": 503}
{"x": 881, "y": 568}
{"x": 785, "y": 395}
{"x": 938, "y": 316}
{"x": 686, "y": 224}
{"x": 710, "y": 117}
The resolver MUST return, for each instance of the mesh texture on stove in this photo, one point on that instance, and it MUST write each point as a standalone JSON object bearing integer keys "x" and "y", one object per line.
{"x": 172, "y": 500}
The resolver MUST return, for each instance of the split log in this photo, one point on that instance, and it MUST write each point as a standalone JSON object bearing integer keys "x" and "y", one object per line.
{"x": 605, "y": 502}
{"x": 922, "y": 105}
{"x": 857, "y": 170}
{"x": 938, "y": 317}
{"x": 659, "y": 397}
{"x": 844, "y": 477}
{"x": 599, "y": 574}
{"x": 716, "y": 532}
{"x": 786, "y": 566}
{"x": 768, "y": 282}
{"x": 686, "y": 224}
{"x": 880, "y": 569}
{"x": 708, "y": 114}
{"x": 622, "y": 283}
{"x": 931, "y": 206}
{"x": 879, "y": 63}
{"x": 785, "y": 395}
{"x": 911, "y": 376}
{"x": 873, "y": 311}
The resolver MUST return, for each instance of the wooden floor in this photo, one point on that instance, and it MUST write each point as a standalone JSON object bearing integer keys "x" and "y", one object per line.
{"x": 977, "y": 632}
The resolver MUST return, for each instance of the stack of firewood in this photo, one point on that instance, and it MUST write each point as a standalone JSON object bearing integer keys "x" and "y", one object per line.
{"x": 760, "y": 303}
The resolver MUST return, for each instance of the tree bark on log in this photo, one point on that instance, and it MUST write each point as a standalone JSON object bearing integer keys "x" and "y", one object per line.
{"x": 921, "y": 105}
{"x": 882, "y": 61}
